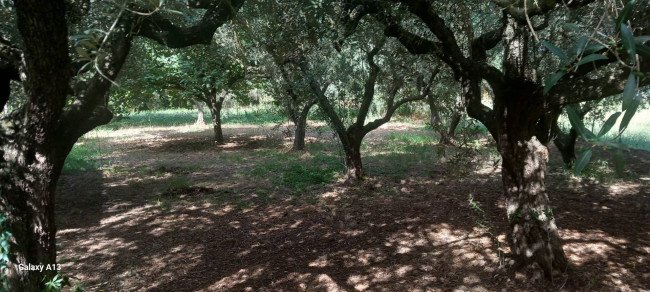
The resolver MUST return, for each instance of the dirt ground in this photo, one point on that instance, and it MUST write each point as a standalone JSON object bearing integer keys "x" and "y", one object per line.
{"x": 171, "y": 211}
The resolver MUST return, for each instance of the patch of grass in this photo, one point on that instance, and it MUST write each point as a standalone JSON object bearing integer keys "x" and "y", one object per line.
{"x": 602, "y": 171}
{"x": 259, "y": 115}
{"x": 163, "y": 204}
{"x": 255, "y": 115}
{"x": 411, "y": 138}
{"x": 637, "y": 134}
{"x": 85, "y": 155}
{"x": 178, "y": 182}
{"x": 297, "y": 174}
{"x": 244, "y": 205}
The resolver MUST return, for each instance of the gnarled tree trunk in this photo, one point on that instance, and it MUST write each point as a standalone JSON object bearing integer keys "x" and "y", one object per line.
{"x": 30, "y": 162}
{"x": 535, "y": 236}
{"x": 352, "y": 149}
{"x": 521, "y": 114}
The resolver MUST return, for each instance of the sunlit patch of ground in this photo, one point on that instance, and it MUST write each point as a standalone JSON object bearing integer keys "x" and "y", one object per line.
{"x": 408, "y": 227}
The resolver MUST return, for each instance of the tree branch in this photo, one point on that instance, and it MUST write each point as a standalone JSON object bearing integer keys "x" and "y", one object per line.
{"x": 539, "y": 7}
{"x": 323, "y": 102}
{"x": 163, "y": 31}
{"x": 369, "y": 87}
{"x": 586, "y": 88}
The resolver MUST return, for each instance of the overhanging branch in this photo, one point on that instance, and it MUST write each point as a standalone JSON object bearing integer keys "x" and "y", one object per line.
{"x": 163, "y": 31}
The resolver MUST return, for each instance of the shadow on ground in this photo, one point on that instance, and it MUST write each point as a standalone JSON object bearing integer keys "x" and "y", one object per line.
{"x": 386, "y": 234}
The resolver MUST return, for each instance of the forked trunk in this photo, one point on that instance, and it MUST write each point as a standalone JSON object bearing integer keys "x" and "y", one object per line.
{"x": 215, "y": 110}
{"x": 535, "y": 237}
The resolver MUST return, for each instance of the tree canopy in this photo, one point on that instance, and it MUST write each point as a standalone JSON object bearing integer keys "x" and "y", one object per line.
{"x": 67, "y": 66}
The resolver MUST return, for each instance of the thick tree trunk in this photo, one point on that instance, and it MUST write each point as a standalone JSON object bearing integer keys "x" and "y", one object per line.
{"x": 28, "y": 203}
{"x": 200, "y": 117}
{"x": 520, "y": 112}
{"x": 351, "y": 142}
{"x": 535, "y": 237}
{"x": 215, "y": 110}
{"x": 353, "y": 163}
{"x": 30, "y": 164}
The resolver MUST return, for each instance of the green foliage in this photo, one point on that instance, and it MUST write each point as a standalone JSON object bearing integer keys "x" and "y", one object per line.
{"x": 5, "y": 236}
{"x": 557, "y": 51}
{"x": 85, "y": 155}
{"x": 582, "y": 161}
{"x": 608, "y": 124}
{"x": 412, "y": 138}
{"x": 551, "y": 81}
{"x": 55, "y": 284}
{"x": 590, "y": 58}
{"x": 297, "y": 175}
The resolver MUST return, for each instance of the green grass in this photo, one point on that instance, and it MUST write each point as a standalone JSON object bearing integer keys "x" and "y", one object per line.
{"x": 85, "y": 155}
{"x": 637, "y": 134}
{"x": 411, "y": 138}
{"x": 257, "y": 115}
{"x": 296, "y": 174}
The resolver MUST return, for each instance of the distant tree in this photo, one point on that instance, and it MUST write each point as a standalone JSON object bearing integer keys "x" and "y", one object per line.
{"x": 357, "y": 81}
{"x": 288, "y": 31}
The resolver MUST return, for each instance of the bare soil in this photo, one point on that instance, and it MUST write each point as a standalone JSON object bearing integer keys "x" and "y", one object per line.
{"x": 172, "y": 211}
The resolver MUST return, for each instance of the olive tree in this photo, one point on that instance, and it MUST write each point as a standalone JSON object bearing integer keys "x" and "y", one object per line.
{"x": 35, "y": 139}
{"x": 525, "y": 100}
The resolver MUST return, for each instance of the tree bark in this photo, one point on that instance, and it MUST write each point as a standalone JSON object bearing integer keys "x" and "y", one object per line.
{"x": 299, "y": 134}
{"x": 215, "y": 110}
{"x": 301, "y": 126}
{"x": 566, "y": 144}
{"x": 28, "y": 203}
{"x": 535, "y": 237}
{"x": 520, "y": 112}
{"x": 29, "y": 163}
{"x": 200, "y": 117}
{"x": 457, "y": 114}
{"x": 436, "y": 122}
{"x": 353, "y": 163}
